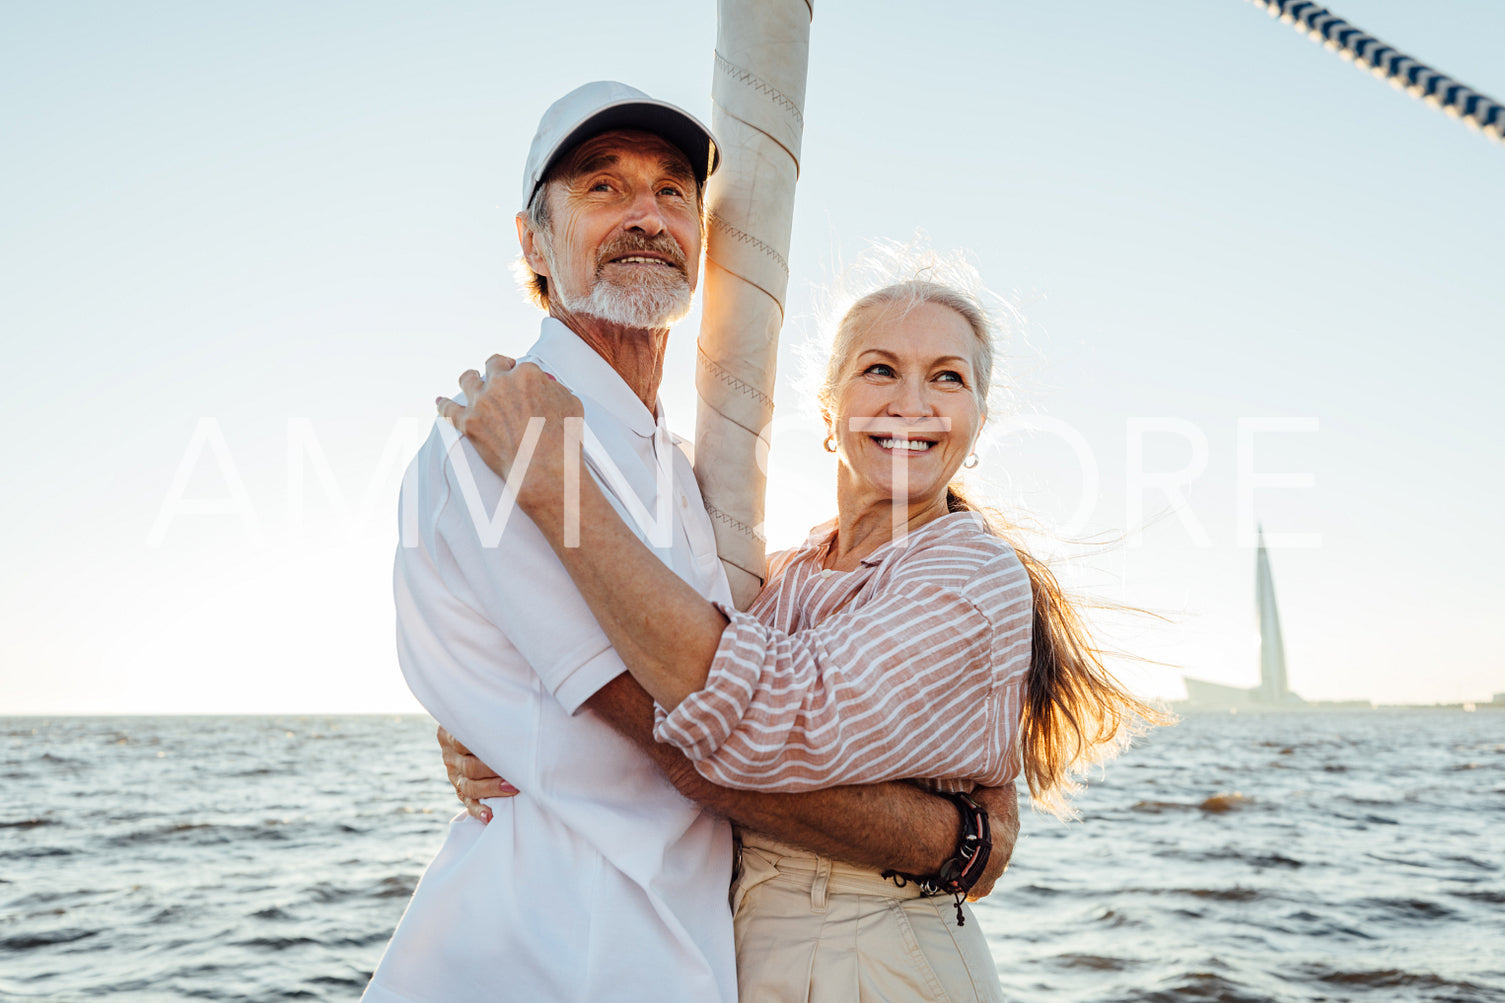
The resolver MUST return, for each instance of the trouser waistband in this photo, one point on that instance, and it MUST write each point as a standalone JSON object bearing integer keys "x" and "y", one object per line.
{"x": 823, "y": 876}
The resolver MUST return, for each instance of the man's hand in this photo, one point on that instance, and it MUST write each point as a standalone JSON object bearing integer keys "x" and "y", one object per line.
{"x": 1002, "y": 804}
{"x": 473, "y": 779}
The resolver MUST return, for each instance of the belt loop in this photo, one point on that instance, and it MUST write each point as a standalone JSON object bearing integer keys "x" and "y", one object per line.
{"x": 818, "y": 886}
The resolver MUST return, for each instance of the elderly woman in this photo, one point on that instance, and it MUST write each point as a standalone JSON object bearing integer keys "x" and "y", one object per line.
{"x": 905, "y": 638}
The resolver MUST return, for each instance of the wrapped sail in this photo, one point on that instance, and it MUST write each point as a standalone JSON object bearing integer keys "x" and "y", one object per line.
{"x": 758, "y": 93}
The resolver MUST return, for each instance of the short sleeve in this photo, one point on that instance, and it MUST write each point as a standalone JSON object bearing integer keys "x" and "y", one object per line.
{"x": 491, "y": 554}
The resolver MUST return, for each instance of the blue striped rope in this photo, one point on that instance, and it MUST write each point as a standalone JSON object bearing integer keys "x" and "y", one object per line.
{"x": 1478, "y": 111}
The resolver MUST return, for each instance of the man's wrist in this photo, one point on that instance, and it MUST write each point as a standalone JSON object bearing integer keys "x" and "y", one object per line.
{"x": 965, "y": 867}
{"x": 969, "y": 855}
{"x": 958, "y": 874}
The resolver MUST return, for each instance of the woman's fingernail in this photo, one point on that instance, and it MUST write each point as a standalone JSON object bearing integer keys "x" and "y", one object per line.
{"x": 508, "y": 789}
{"x": 486, "y": 815}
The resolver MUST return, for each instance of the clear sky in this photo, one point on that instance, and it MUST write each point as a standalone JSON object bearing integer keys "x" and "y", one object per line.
{"x": 249, "y": 232}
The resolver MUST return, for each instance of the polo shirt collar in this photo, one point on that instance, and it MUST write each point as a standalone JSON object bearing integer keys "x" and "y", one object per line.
{"x": 587, "y": 374}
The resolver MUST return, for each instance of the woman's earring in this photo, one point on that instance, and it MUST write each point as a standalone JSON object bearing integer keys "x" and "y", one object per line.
{"x": 830, "y": 443}
{"x": 971, "y": 461}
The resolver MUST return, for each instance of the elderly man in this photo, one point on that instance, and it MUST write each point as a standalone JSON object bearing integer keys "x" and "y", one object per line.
{"x": 607, "y": 878}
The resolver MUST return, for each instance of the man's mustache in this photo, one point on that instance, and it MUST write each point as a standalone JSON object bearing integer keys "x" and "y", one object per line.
{"x": 662, "y": 245}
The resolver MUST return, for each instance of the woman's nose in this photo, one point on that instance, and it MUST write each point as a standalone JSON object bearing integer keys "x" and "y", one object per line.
{"x": 909, "y": 400}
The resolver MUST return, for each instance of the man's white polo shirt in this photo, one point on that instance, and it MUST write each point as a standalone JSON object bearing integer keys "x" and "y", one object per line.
{"x": 599, "y": 881}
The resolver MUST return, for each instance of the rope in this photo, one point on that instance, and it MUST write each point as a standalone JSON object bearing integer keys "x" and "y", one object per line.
{"x": 1478, "y": 111}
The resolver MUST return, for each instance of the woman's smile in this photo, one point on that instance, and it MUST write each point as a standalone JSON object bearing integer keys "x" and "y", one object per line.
{"x": 907, "y": 411}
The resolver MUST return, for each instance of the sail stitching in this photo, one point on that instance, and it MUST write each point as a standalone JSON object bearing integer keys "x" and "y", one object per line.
{"x": 760, "y": 85}
{"x": 719, "y": 221}
{"x": 733, "y": 522}
{"x": 732, "y": 381}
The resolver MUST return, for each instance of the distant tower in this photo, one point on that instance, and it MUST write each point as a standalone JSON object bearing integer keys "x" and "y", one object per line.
{"x": 1272, "y": 649}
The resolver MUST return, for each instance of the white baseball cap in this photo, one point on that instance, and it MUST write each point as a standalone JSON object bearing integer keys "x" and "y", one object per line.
{"x": 605, "y": 104}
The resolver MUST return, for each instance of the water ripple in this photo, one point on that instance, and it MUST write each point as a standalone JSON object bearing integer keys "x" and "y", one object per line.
{"x": 1256, "y": 859}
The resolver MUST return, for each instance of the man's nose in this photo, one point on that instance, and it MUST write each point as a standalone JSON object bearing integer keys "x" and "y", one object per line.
{"x": 644, "y": 214}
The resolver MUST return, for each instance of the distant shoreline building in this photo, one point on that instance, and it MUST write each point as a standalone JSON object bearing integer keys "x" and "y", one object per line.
{"x": 1273, "y": 690}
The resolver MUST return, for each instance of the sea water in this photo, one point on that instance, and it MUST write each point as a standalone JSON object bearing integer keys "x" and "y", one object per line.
{"x": 1252, "y": 857}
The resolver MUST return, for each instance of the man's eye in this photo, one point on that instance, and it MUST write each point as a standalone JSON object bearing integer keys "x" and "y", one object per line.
{"x": 601, "y": 186}
{"x": 671, "y": 191}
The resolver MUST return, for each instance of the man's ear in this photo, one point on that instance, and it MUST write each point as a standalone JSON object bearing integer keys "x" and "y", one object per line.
{"x": 528, "y": 240}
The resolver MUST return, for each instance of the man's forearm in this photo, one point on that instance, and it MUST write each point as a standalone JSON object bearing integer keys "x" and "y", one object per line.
{"x": 891, "y": 826}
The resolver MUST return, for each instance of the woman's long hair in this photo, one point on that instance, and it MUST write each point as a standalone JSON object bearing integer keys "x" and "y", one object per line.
{"x": 1076, "y": 713}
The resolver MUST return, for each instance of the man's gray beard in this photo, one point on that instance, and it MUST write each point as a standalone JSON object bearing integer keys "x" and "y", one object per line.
{"x": 654, "y": 301}
{"x": 657, "y": 300}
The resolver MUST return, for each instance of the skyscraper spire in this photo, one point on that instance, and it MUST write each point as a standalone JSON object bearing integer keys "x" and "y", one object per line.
{"x": 1272, "y": 649}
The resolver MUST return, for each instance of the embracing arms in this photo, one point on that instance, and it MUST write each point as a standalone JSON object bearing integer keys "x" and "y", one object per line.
{"x": 908, "y": 683}
{"x": 894, "y": 825}
{"x": 887, "y": 826}
{"x": 890, "y": 826}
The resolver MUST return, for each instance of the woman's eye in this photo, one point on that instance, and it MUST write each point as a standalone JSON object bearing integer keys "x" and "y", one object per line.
{"x": 951, "y": 376}
{"x": 878, "y": 369}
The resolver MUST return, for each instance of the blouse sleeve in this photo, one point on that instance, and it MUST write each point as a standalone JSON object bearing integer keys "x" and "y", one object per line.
{"x": 916, "y": 683}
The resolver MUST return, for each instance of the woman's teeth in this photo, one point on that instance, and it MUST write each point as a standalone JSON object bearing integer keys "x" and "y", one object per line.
{"x": 916, "y": 445}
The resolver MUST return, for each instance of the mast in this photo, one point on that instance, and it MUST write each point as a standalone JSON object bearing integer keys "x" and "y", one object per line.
{"x": 758, "y": 94}
{"x": 1272, "y": 649}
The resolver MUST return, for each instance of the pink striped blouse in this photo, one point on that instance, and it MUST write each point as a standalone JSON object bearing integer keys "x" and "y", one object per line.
{"x": 909, "y": 667}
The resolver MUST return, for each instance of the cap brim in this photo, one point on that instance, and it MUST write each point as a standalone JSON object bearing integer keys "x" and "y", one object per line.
{"x": 692, "y": 138}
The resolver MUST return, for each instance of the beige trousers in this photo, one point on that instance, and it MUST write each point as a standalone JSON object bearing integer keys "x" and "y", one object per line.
{"x": 812, "y": 930}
